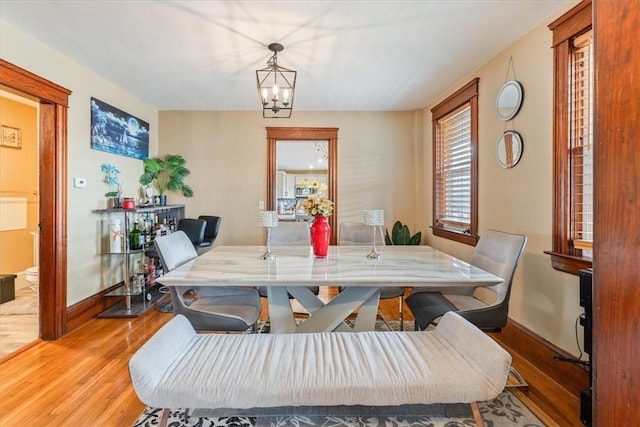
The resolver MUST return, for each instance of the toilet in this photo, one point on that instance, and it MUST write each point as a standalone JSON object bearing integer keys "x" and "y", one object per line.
{"x": 32, "y": 273}
{"x": 33, "y": 277}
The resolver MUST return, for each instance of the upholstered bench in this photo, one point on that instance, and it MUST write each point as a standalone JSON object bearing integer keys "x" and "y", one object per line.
{"x": 452, "y": 363}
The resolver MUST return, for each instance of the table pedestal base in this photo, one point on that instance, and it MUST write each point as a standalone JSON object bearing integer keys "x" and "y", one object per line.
{"x": 323, "y": 317}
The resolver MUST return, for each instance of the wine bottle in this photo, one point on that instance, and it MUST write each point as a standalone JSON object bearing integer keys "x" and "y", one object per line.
{"x": 134, "y": 237}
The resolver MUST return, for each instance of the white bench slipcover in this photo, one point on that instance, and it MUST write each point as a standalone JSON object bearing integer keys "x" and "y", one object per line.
{"x": 453, "y": 363}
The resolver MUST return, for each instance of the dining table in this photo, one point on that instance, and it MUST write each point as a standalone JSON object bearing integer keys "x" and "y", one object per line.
{"x": 295, "y": 268}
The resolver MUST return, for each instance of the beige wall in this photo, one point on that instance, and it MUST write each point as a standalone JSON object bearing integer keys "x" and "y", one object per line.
{"x": 519, "y": 200}
{"x": 19, "y": 179}
{"x": 226, "y": 153}
{"x": 88, "y": 271}
{"x": 384, "y": 161}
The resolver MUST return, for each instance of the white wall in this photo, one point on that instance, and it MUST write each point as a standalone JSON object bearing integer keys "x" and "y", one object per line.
{"x": 519, "y": 200}
{"x": 88, "y": 271}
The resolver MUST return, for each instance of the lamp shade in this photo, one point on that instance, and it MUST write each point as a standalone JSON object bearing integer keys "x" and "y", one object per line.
{"x": 374, "y": 217}
{"x": 268, "y": 218}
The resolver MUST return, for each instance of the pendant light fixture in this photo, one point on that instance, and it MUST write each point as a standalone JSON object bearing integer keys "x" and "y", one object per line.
{"x": 276, "y": 87}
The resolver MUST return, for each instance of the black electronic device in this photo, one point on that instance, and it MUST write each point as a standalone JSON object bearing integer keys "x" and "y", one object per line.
{"x": 586, "y": 290}
{"x": 586, "y": 301}
{"x": 585, "y": 406}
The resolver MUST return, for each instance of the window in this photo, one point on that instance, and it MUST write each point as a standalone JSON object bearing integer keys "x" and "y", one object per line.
{"x": 455, "y": 177}
{"x": 573, "y": 140}
{"x": 581, "y": 145}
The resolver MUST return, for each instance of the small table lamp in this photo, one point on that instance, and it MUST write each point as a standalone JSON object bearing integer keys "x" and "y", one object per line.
{"x": 374, "y": 218}
{"x": 268, "y": 219}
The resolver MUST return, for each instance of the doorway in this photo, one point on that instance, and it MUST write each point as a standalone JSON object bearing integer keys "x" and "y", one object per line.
{"x": 53, "y": 103}
{"x": 18, "y": 222}
{"x": 330, "y": 135}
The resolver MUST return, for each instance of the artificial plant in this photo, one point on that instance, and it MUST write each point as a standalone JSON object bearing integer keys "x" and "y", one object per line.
{"x": 167, "y": 174}
{"x": 400, "y": 235}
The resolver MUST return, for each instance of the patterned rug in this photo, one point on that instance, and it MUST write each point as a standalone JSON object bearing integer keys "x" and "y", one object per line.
{"x": 504, "y": 411}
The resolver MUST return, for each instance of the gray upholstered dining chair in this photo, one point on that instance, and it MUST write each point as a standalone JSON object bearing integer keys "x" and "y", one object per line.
{"x": 289, "y": 233}
{"x": 486, "y": 307}
{"x": 195, "y": 231}
{"x": 214, "y": 308}
{"x": 355, "y": 233}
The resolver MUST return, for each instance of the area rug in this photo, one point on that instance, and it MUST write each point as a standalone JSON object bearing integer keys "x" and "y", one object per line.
{"x": 26, "y": 302}
{"x": 504, "y": 411}
{"x": 407, "y": 325}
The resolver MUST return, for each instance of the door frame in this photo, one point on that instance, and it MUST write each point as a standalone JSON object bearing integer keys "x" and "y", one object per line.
{"x": 275, "y": 134}
{"x": 52, "y": 192}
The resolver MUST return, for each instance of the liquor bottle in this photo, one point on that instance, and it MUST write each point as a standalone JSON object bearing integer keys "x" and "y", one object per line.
{"x": 151, "y": 268}
{"x": 145, "y": 235}
{"x": 134, "y": 237}
{"x": 140, "y": 279}
{"x": 157, "y": 226}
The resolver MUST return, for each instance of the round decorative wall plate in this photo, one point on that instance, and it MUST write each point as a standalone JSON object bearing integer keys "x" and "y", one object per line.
{"x": 509, "y": 149}
{"x": 509, "y": 100}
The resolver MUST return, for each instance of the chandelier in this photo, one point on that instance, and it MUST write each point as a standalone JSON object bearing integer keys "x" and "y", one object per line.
{"x": 276, "y": 87}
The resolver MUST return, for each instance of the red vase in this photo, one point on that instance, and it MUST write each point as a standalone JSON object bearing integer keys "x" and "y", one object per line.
{"x": 320, "y": 232}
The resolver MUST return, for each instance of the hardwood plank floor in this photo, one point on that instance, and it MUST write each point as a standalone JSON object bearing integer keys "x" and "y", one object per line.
{"x": 82, "y": 379}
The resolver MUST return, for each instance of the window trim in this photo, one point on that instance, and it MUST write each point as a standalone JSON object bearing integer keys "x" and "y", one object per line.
{"x": 570, "y": 25}
{"x": 468, "y": 94}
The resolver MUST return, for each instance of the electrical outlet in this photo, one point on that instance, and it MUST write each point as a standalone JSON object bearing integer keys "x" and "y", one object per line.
{"x": 261, "y": 205}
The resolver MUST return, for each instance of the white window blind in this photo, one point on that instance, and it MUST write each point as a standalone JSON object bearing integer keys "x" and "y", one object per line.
{"x": 453, "y": 173}
{"x": 581, "y": 142}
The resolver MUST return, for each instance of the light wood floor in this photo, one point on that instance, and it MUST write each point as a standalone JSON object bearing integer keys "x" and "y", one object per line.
{"x": 82, "y": 378}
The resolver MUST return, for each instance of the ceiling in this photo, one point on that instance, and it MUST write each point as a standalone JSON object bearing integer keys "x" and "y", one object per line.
{"x": 372, "y": 55}
{"x": 302, "y": 155}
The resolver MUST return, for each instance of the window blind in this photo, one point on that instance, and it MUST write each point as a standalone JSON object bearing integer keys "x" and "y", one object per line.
{"x": 454, "y": 170}
{"x": 581, "y": 142}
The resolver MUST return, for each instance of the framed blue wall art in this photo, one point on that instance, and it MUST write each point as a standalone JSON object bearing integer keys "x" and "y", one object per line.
{"x": 117, "y": 132}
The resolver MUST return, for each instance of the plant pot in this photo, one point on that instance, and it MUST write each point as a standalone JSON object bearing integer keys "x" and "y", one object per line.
{"x": 160, "y": 200}
{"x": 320, "y": 232}
{"x": 114, "y": 202}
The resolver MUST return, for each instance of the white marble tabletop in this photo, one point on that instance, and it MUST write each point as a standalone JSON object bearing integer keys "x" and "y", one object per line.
{"x": 344, "y": 265}
{"x": 295, "y": 268}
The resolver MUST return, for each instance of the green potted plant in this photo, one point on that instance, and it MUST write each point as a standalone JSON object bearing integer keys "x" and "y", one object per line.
{"x": 400, "y": 235}
{"x": 167, "y": 174}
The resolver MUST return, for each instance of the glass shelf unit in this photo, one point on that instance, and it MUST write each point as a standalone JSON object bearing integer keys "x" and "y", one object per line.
{"x": 135, "y": 302}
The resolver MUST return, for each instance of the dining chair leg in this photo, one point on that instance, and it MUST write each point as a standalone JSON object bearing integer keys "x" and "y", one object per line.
{"x": 380, "y": 315}
{"x": 263, "y": 326}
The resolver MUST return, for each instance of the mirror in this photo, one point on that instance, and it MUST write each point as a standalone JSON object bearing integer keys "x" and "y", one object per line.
{"x": 509, "y": 100}
{"x": 278, "y": 187}
{"x": 509, "y": 149}
{"x": 298, "y": 164}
